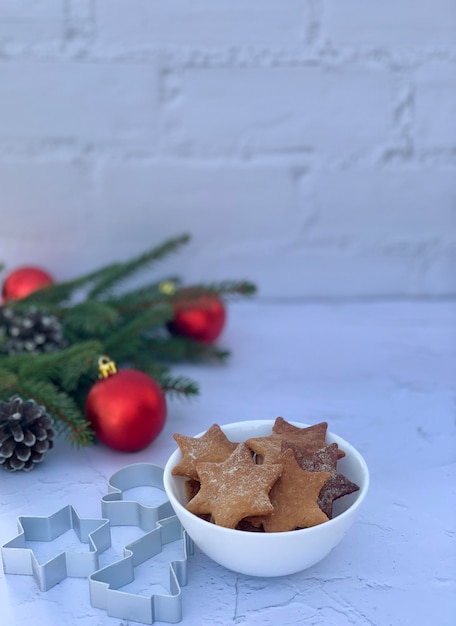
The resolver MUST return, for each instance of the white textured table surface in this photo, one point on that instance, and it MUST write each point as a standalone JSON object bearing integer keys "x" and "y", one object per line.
{"x": 383, "y": 376}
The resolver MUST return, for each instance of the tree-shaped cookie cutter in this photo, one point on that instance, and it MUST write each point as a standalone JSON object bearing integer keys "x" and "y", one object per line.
{"x": 163, "y": 527}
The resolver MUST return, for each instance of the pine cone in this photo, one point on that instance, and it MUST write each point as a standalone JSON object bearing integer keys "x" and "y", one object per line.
{"x": 32, "y": 331}
{"x": 26, "y": 434}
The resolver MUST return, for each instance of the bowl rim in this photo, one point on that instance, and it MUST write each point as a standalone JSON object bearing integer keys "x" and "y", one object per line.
{"x": 345, "y": 445}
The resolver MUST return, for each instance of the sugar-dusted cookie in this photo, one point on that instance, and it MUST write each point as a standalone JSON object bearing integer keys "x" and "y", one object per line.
{"x": 234, "y": 489}
{"x": 324, "y": 460}
{"x": 213, "y": 446}
{"x": 312, "y": 437}
{"x": 294, "y": 498}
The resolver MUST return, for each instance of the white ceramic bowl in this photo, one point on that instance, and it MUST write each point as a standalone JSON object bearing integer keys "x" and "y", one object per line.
{"x": 270, "y": 554}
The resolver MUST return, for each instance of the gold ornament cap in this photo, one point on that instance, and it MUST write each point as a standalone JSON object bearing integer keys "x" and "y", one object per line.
{"x": 167, "y": 287}
{"x": 106, "y": 367}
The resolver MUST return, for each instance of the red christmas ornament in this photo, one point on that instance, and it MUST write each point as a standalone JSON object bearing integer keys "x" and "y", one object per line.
{"x": 24, "y": 281}
{"x": 201, "y": 318}
{"x": 126, "y": 408}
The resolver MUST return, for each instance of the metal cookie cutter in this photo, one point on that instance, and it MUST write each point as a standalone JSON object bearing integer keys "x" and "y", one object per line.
{"x": 122, "y": 512}
{"x": 163, "y": 527}
{"x": 18, "y": 559}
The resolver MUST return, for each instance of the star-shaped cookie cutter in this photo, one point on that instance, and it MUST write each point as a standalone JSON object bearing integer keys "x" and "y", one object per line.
{"x": 162, "y": 527}
{"x": 20, "y": 559}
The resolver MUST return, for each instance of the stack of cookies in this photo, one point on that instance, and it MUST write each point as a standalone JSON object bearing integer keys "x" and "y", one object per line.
{"x": 283, "y": 481}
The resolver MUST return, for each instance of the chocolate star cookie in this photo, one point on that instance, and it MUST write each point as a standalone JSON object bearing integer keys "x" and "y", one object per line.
{"x": 324, "y": 460}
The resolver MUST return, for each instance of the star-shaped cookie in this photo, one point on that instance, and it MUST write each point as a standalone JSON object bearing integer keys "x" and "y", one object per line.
{"x": 324, "y": 460}
{"x": 308, "y": 439}
{"x": 294, "y": 498}
{"x": 311, "y": 437}
{"x": 214, "y": 446}
{"x": 234, "y": 489}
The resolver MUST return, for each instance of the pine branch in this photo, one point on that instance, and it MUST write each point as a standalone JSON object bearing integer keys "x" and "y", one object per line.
{"x": 129, "y": 338}
{"x": 178, "y": 349}
{"x": 52, "y": 380}
{"x": 171, "y": 385}
{"x": 45, "y": 366}
{"x": 142, "y": 298}
{"x": 145, "y": 362}
{"x": 69, "y": 419}
{"x": 90, "y": 318}
{"x": 76, "y": 362}
{"x": 13, "y": 362}
{"x": 229, "y": 288}
{"x": 129, "y": 326}
{"x": 178, "y": 385}
{"x": 8, "y": 382}
{"x": 118, "y": 272}
{"x": 104, "y": 277}
{"x": 226, "y": 288}
{"x": 58, "y": 293}
{"x": 64, "y": 367}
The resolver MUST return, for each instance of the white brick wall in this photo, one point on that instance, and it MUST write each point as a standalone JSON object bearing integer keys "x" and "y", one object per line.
{"x": 309, "y": 145}
{"x": 391, "y": 25}
{"x": 386, "y": 205}
{"x": 435, "y": 105}
{"x": 75, "y": 101}
{"x": 34, "y": 12}
{"x": 145, "y": 24}
{"x": 282, "y": 109}
{"x": 25, "y": 23}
